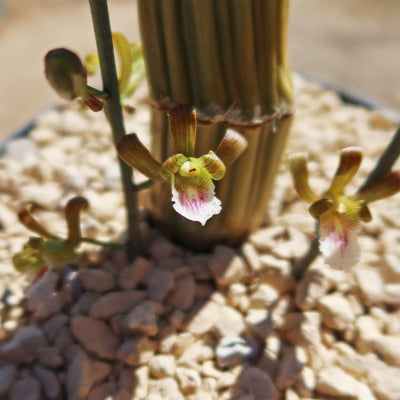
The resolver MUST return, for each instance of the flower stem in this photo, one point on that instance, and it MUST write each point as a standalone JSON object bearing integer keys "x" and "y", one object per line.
{"x": 112, "y": 245}
{"x": 113, "y": 110}
{"x": 303, "y": 264}
{"x": 385, "y": 162}
{"x": 143, "y": 185}
{"x": 97, "y": 93}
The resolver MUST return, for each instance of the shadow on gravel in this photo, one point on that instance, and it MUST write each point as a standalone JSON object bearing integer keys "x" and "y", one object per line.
{"x": 172, "y": 325}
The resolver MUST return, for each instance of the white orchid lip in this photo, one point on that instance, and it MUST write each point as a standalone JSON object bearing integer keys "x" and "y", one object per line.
{"x": 191, "y": 178}
{"x": 340, "y": 216}
{"x": 339, "y": 241}
{"x": 192, "y": 205}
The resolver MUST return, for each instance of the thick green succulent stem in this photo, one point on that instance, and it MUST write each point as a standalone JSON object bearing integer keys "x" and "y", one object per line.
{"x": 227, "y": 58}
{"x": 102, "y": 29}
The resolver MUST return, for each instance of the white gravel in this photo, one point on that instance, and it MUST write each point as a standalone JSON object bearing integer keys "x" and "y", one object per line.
{"x": 177, "y": 325}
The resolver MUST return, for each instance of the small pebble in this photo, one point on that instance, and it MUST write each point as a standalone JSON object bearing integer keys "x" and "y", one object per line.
{"x": 232, "y": 351}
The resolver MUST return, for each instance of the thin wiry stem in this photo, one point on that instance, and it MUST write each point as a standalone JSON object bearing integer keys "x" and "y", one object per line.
{"x": 385, "y": 162}
{"x": 301, "y": 267}
{"x": 102, "y": 29}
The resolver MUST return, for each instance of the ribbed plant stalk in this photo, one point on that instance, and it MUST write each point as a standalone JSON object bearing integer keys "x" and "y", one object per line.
{"x": 227, "y": 58}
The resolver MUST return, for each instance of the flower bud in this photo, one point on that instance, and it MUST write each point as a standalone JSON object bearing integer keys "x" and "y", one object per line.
{"x": 65, "y": 73}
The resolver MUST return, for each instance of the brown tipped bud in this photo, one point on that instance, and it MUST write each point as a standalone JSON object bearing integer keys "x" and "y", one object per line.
{"x": 65, "y": 73}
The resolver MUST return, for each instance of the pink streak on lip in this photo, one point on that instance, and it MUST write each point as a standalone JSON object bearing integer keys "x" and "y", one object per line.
{"x": 40, "y": 274}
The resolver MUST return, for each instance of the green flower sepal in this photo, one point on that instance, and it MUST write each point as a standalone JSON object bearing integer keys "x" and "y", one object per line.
{"x": 339, "y": 215}
{"x": 191, "y": 178}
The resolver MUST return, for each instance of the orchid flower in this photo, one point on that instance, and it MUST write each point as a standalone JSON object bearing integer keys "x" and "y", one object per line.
{"x": 191, "y": 178}
{"x": 48, "y": 251}
{"x": 339, "y": 215}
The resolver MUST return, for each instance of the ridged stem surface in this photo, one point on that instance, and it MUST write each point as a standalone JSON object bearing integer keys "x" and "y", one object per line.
{"x": 227, "y": 58}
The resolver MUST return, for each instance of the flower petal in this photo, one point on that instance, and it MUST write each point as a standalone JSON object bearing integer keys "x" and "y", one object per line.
{"x": 182, "y": 125}
{"x": 364, "y": 213}
{"x": 135, "y": 154}
{"x": 385, "y": 187}
{"x": 320, "y": 207}
{"x": 26, "y": 218}
{"x": 72, "y": 216}
{"x": 339, "y": 240}
{"x": 91, "y": 63}
{"x": 297, "y": 163}
{"x": 171, "y": 166}
{"x": 124, "y": 53}
{"x": 194, "y": 198}
{"x": 213, "y": 165}
{"x": 231, "y": 147}
{"x": 349, "y": 163}
{"x": 93, "y": 102}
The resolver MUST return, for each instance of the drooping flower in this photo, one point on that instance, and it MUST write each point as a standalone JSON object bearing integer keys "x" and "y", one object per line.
{"x": 339, "y": 215}
{"x": 191, "y": 178}
{"x": 48, "y": 251}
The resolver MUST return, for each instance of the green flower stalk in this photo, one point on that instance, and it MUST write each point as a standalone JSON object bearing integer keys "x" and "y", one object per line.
{"x": 340, "y": 215}
{"x": 191, "y": 178}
